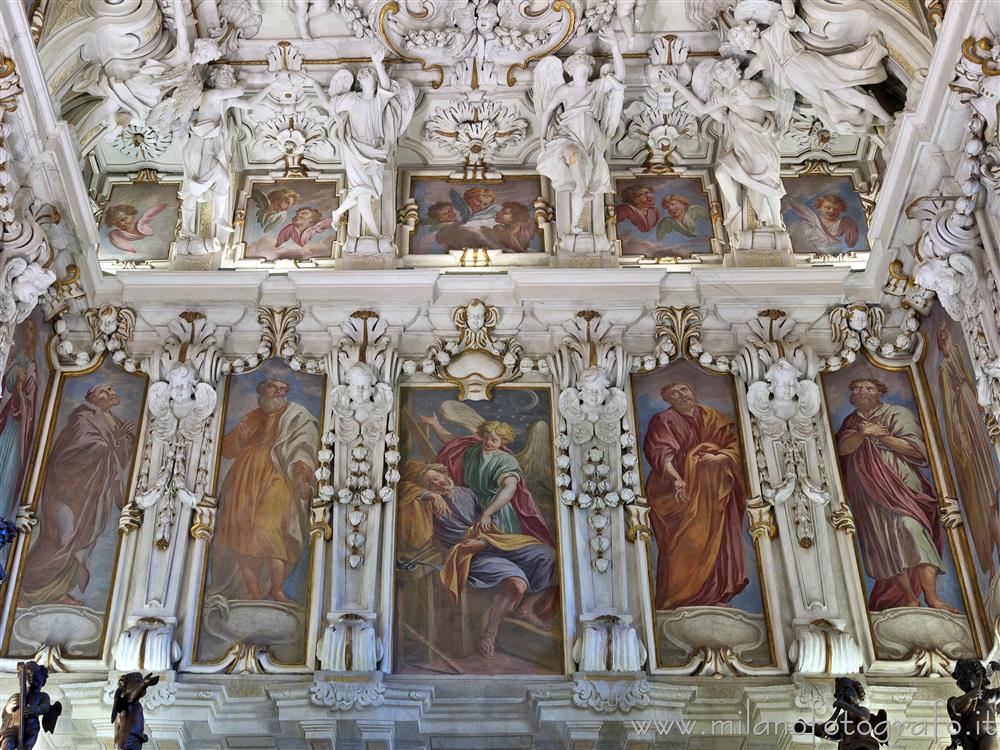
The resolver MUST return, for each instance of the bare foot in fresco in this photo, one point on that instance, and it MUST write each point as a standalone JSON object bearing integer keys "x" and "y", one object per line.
{"x": 936, "y": 603}
{"x": 71, "y": 601}
{"x": 532, "y": 619}
{"x": 279, "y": 596}
{"x": 488, "y": 645}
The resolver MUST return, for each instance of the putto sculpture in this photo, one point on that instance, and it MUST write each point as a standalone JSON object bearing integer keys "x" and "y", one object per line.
{"x": 126, "y": 712}
{"x": 29, "y": 710}
{"x": 974, "y": 713}
{"x": 852, "y": 726}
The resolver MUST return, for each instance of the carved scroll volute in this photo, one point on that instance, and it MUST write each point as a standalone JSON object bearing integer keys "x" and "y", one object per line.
{"x": 358, "y": 472}
{"x": 174, "y": 475}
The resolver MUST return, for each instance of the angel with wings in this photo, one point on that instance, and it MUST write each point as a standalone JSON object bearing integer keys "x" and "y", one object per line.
{"x": 361, "y": 405}
{"x": 272, "y": 208}
{"x": 367, "y": 124}
{"x": 485, "y": 518}
{"x": 681, "y": 217}
{"x": 126, "y": 225}
{"x": 593, "y": 408}
{"x": 829, "y": 82}
{"x": 483, "y": 462}
{"x": 577, "y": 120}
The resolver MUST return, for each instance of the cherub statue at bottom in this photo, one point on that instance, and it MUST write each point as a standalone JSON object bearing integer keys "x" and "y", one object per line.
{"x": 19, "y": 729}
{"x": 974, "y": 714}
{"x": 852, "y": 726}
{"x": 126, "y": 714}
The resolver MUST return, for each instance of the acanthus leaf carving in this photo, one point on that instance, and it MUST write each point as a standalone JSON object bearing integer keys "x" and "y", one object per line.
{"x": 347, "y": 695}
{"x": 609, "y": 696}
{"x": 475, "y": 129}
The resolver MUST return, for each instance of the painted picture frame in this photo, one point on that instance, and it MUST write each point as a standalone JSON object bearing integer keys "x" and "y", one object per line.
{"x": 972, "y": 454}
{"x": 461, "y": 606}
{"x": 286, "y": 221}
{"x": 705, "y": 580}
{"x": 826, "y": 212}
{"x": 441, "y": 216}
{"x": 64, "y": 584}
{"x": 138, "y": 220}
{"x": 909, "y": 561}
{"x": 257, "y": 571}
{"x": 667, "y": 218}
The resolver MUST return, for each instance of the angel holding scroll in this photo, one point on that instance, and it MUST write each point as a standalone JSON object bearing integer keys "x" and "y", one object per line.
{"x": 577, "y": 120}
{"x": 367, "y": 124}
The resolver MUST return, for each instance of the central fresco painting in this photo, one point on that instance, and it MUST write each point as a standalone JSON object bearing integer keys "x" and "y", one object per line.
{"x": 477, "y": 573}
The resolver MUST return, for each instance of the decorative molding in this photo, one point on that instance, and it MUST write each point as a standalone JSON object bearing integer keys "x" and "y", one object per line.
{"x": 475, "y": 129}
{"x": 604, "y": 696}
{"x": 336, "y": 695}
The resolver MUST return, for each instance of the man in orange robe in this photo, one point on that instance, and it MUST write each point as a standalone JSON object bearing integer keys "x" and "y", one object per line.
{"x": 697, "y": 499}
{"x": 264, "y": 503}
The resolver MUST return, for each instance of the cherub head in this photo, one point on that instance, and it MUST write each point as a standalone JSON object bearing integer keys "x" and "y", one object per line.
{"x": 222, "y": 77}
{"x": 487, "y": 18}
{"x": 784, "y": 379}
{"x": 36, "y": 675}
{"x": 830, "y": 207}
{"x": 479, "y": 198}
{"x": 281, "y": 199}
{"x": 639, "y": 196}
{"x": 306, "y": 217}
{"x": 743, "y": 36}
{"x": 181, "y": 382}
{"x": 495, "y": 435}
{"x": 121, "y": 216}
{"x": 676, "y": 205}
{"x": 442, "y": 213}
{"x": 969, "y": 674}
{"x": 849, "y": 691}
{"x": 725, "y": 74}
{"x": 513, "y": 213}
{"x": 361, "y": 380}
{"x": 578, "y": 67}
{"x": 594, "y": 386}
{"x": 475, "y": 316}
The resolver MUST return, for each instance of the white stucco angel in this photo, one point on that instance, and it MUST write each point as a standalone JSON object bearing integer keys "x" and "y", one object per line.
{"x": 782, "y": 400}
{"x": 205, "y": 159}
{"x": 361, "y": 405}
{"x": 180, "y": 405}
{"x": 179, "y": 408}
{"x": 748, "y": 155}
{"x": 367, "y": 124}
{"x": 593, "y": 408}
{"x": 576, "y": 121}
{"x": 828, "y": 82}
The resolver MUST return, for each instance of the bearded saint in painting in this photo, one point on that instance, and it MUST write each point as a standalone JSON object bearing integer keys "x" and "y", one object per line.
{"x": 697, "y": 499}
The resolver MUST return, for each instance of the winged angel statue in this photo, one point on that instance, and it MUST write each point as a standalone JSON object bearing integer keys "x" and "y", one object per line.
{"x": 577, "y": 121}
{"x": 593, "y": 408}
{"x": 367, "y": 124}
{"x": 179, "y": 408}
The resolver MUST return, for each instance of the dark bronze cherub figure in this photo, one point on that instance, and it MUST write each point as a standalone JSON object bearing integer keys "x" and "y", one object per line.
{"x": 974, "y": 714}
{"x": 852, "y": 726}
{"x": 126, "y": 714}
{"x": 28, "y": 710}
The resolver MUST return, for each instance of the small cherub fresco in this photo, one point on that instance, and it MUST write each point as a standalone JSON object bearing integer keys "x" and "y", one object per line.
{"x": 289, "y": 219}
{"x": 138, "y": 223}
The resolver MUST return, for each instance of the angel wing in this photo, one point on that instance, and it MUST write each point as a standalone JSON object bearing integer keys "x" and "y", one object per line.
{"x": 581, "y": 430}
{"x": 262, "y": 204}
{"x": 164, "y": 421}
{"x": 341, "y": 83}
{"x": 405, "y": 102}
{"x": 151, "y": 213}
{"x": 669, "y": 224}
{"x": 535, "y": 460}
{"x": 461, "y": 414}
{"x": 464, "y": 212}
{"x": 205, "y": 399}
{"x": 608, "y": 427}
{"x": 548, "y": 79}
{"x": 119, "y": 704}
{"x": 49, "y": 719}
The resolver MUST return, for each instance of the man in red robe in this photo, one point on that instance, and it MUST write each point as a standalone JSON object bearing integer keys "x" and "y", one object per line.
{"x": 84, "y": 485}
{"x": 697, "y": 499}
{"x": 881, "y": 449}
{"x": 638, "y": 207}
